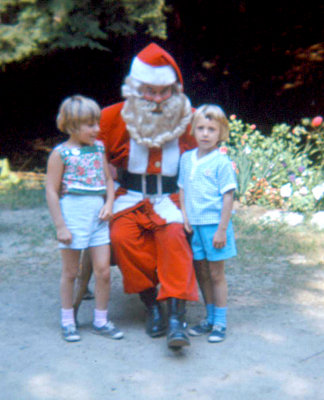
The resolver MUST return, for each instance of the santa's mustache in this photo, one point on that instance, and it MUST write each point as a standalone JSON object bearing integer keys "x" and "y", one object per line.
{"x": 152, "y": 118}
{"x": 166, "y": 107}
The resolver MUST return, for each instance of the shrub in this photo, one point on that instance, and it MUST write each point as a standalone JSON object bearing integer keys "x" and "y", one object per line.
{"x": 283, "y": 169}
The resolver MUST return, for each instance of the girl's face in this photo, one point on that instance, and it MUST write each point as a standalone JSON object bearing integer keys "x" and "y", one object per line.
{"x": 86, "y": 134}
{"x": 207, "y": 133}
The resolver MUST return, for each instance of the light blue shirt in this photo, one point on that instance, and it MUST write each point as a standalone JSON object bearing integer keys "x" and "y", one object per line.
{"x": 204, "y": 181}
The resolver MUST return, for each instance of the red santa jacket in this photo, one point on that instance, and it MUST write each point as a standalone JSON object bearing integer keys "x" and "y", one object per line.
{"x": 124, "y": 152}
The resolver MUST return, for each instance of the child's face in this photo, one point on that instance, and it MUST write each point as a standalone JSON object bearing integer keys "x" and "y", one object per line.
{"x": 207, "y": 133}
{"x": 87, "y": 133}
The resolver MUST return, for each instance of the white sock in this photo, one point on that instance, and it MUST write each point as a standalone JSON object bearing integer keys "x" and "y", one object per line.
{"x": 100, "y": 318}
{"x": 67, "y": 316}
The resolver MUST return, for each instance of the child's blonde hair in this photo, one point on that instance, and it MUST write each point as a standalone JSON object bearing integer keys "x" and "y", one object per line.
{"x": 75, "y": 111}
{"x": 213, "y": 113}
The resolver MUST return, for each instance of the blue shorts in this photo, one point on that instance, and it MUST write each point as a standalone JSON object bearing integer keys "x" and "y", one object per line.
{"x": 202, "y": 243}
{"x": 80, "y": 213}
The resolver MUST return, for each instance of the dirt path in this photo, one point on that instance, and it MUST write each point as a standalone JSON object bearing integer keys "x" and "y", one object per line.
{"x": 274, "y": 349}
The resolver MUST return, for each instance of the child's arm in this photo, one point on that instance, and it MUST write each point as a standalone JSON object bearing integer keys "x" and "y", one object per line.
{"x": 219, "y": 239}
{"x": 186, "y": 223}
{"x": 106, "y": 211}
{"x": 54, "y": 174}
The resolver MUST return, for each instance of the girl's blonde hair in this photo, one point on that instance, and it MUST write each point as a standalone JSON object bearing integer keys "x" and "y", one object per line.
{"x": 213, "y": 113}
{"x": 75, "y": 111}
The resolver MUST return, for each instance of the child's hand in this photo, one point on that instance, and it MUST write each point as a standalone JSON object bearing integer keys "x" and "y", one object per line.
{"x": 106, "y": 212}
{"x": 219, "y": 239}
{"x": 64, "y": 235}
{"x": 187, "y": 226}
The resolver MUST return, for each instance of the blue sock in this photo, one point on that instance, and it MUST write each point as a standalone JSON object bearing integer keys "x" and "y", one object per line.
{"x": 220, "y": 316}
{"x": 210, "y": 313}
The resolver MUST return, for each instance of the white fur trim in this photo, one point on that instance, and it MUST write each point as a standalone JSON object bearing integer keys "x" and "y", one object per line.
{"x": 170, "y": 158}
{"x": 146, "y": 73}
{"x": 138, "y": 157}
{"x": 128, "y": 200}
{"x": 167, "y": 210}
{"x": 163, "y": 206}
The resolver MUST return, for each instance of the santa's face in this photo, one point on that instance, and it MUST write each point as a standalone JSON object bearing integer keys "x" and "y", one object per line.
{"x": 157, "y": 94}
{"x": 155, "y": 114}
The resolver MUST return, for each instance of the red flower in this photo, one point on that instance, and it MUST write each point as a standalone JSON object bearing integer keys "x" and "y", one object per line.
{"x": 317, "y": 121}
{"x": 96, "y": 164}
{"x": 223, "y": 150}
{"x": 81, "y": 171}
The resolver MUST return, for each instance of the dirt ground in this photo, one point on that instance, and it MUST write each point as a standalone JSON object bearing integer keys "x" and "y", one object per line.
{"x": 274, "y": 349}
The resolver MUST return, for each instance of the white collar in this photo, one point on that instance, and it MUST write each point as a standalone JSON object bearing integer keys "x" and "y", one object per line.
{"x": 206, "y": 157}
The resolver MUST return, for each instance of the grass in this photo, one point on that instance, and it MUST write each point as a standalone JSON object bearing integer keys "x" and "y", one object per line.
{"x": 263, "y": 243}
{"x": 22, "y": 196}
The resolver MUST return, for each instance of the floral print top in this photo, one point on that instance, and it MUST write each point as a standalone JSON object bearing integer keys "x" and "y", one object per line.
{"x": 83, "y": 169}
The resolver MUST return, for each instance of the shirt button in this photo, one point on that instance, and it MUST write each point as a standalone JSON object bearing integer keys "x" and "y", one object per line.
{"x": 157, "y": 164}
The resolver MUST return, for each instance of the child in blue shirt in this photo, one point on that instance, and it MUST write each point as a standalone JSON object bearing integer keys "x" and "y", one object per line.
{"x": 207, "y": 183}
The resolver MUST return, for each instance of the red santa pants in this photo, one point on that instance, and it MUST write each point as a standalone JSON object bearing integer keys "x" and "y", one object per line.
{"x": 148, "y": 251}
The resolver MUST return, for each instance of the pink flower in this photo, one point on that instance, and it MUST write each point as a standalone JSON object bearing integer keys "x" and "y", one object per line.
{"x": 81, "y": 171}
{"x": 96, "y": 164}
{"x": 317, "y": 121}
{"x": 253, "y": 127}
{"x": 234, "y": 166}
{"x": 223, "y": 150}
{"x": 232, "y": 117}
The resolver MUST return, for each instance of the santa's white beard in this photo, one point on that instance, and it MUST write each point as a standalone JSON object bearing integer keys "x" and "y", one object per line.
{"x": 153, "y": 125}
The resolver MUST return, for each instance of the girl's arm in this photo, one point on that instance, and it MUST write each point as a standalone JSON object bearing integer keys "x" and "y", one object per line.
{"x": 106, "y": 211}
{"x": 54, "y": 174}
{"x": 186, "y": 223}
{"x": 219, "y": 239}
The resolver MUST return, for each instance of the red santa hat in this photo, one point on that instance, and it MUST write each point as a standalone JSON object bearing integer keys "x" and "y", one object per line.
{"x": 155, "y": 66}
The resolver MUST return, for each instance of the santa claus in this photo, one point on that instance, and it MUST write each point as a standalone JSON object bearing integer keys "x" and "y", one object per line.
{"x": 144, "y": 137}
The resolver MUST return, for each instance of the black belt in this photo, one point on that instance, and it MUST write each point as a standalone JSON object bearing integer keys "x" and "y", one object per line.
{"x": 136, "y": 182}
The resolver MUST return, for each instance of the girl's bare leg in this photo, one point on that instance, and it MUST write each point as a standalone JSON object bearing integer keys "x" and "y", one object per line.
{"x": 84, "y": 275}
{"x": 100, "y": 256}
{"x": 70, "y": 266}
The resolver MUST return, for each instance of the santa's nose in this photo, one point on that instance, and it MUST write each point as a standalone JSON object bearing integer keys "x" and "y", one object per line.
{"x": 158, "y": 98}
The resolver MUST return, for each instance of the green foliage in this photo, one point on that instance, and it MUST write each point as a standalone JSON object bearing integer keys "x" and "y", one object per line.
{"x": 21, "y": 196}
{"x": 284, "y": 169}
{"x": 31, "y": 27}
{"x": 149, "y": 13}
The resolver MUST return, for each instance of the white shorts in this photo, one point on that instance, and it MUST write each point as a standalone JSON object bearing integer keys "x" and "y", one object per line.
{"x": 80, "y": 213}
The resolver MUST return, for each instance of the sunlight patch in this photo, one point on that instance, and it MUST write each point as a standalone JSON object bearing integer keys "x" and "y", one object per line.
{"x": 43, "y": 387}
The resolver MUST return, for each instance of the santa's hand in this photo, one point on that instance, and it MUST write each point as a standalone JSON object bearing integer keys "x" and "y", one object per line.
{"x": 187, "y": 226}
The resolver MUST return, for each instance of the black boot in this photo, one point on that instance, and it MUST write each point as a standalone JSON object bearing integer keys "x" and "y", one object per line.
{"x": 176, "y": 336}
{"x": 155, "y": 323}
